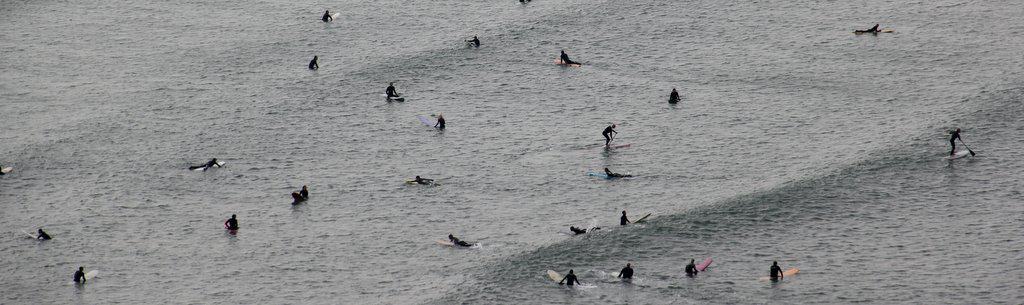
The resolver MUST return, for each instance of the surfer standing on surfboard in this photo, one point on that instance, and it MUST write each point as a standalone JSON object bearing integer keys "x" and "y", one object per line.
{"x": 565, "y": 59}
{"x": 607, "y": 133}
{"x": 953, "y": 136}
{"x": 691, "y": 269}
{"x": 776, "y": 272}
{"x": 569, "y": 279}
{"x": 327, "y": 16}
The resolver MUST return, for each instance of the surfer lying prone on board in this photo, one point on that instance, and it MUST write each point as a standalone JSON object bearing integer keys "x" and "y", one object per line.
{"x": 873, "y": 30}
{"x": 42, "y": 235}
{"x": 423, "y": 180}
{"x": 615, "y": 175}
{"x": 565, "y": 59}
{"x": 569, "y": 279}
{"x": 458, "y": 242}
{"x": 579, "y": 231}
{"x": 209, "y": 164}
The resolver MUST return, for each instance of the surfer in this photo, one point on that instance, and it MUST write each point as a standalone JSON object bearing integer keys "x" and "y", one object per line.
{"x": 1, "y": 170}
{"x": 614, "y": 175}
{"x": 42, "y": 235}
{"x": 873, "y": 30}
{"x": 673, "y": 97}
{"x": 776, "y": 272}
{"x": 623, "y": 220}
{"x": 607, "y": 133}
{"x": 565, "y": 59}
{"x": 296, "y": 198}
{"x": 953, "y": 136}
{"x": 691, "y": 269}
{"x": 475, "y": 42}
{"x": 304, "y": 192}
{"x": 440, "y": 121}
{"x": 458, "y": 242}
{"x": 213, "y": 162}
{"x": 627, "y": 272}
{"x": 327, "y": 16}
{"x": 423, "y": 180}
{"x": 312, "y": 63}
{"x": 569, "y": 279}
{"x": 232, "y": 223}
{"x": 80, "y": 275}
{"x": 390, "y": 91}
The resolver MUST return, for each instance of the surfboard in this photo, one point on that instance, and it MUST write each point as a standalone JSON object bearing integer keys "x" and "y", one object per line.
{"x": 619, "y": 146}
{"x": 445, "y": 243}
{"x": 425, "y": 120}
{"x": 29, "y": 234}
{"x": 560, "y": 63}
{"x": 219, "y": 165}
{"x": 335, "y": 16}
{"x": 597, "y": 174}
{"x": 642, "y": 218}
{"x": 787, "y": 273}
{"x": 704, "y": 265}
{"x": 858, "y": 32}
{"x": 958, "y": 155}
{"x": 554, "y": 276}
{"x": 395, "y": 98}
{"x": 6, "y": 170}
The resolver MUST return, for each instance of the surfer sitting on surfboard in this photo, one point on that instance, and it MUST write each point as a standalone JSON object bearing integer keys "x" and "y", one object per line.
{"x": 673, "y": 97}
{"x": 297, "y": 198}
{"x": 569, "y": 279}
{"x": 304, "y": 192}
{"x": 953, "y": 136}
{"x": 475, "y": 42}
{"x": 776, "y": 272}
{"x": 209, "y": 164}
{"x": 42, "y": 235}
{"x": 80, "y": 275}
{"x": 312, "y": 63}
{"x": 614, "y": 175}
{"x": 232, "y": 223}
{"x": 607, "y": 133}
{"x": 458, "y": 242}
{"x": 691, "y": 269}
{"x": 440, "y": 121}
{"x": 565, "y": 59}
{"x": 327, "y": 16}
{"x": 627, "y": 272}
{"x": 623, "y": 220}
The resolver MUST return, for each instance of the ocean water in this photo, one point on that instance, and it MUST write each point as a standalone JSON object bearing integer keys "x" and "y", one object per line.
{"x": 795, "y": 141}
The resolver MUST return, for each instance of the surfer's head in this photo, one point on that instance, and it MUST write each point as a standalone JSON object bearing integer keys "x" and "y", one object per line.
{"x": 775, "y": 263}
{"x": 570, "y": 271}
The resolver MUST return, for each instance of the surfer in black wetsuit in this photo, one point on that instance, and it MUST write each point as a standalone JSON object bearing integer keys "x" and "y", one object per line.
{"x": 691, "y": 269}
{"x": 475, "y": 42}
{"x": 440, "y": 121}
{"x": 623, "y": 220}
{"x": 423, "y": 180}
{"x": 565, "y": 59}
{"x": 390, "y": 91}
{"x": 232, "y": 223}
{"x": 297, "y": 198}
{"x": 458, "y": 242}
{"x": 213, "y": 162}
{"x": 327, "y": 16}
{"x": 627, "y": 272}
{"x": 577, "y": 231}
{"x": 614, "y": 175}
{"x": 607, "y": 133}
{"x": 312, "y": 63}
{"x": 953, "y": 136}
{"x": 42, "y": 235}
{"x": 673, "y": 97}
{"x": 872, "y": 30}
{"x": 776, "y": 272}
{"x": 304, "y": 192}
{"x": 80, "y": 275}
{"x": 569, "y": 279}
{"x": 1, "y": 170}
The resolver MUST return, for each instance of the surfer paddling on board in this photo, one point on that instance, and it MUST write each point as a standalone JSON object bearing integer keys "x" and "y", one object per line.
{"x": 42, "y": 235}
{"x": 607, "y": 133}
{"x": 327, "y": 16}
{"x": 565, "y": 59}
{"x": 691, "y": 269}
{"x": 475, "y": 42}
{"x": 312, "y": 63}
{"x": 614, "y": 175}
{"x": 578, "y": 231}
{"x": 953, "y": 136}
{"x": 623, "y": 220}
{"x": 231, "y": 223}
{"x": 673, "y": 97}
{"x": 423, "y": 180}
{"x": 775, "y": 273}
{"x": 872, "y": 30}
{"x": 80, "y": 275}
{"x": 390, "y": 91}
{"x": 569, "y": 279}
{"x": 440, "y": 121}
{"x": 627, "y": 272}
{"x": 458, "y": 242}
{"x": 213, "y": 162}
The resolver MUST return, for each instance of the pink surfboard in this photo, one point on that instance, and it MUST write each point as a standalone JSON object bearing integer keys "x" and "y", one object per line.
{"x": 704, "y": 265}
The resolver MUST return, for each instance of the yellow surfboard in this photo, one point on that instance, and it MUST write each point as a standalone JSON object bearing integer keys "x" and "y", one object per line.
{"x": 787, "y": 273}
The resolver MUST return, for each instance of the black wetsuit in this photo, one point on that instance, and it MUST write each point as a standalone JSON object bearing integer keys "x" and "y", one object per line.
{"x": 43, "y": 235}
{"x": 458, "y": 242}
{"x": 304, "y": 193}
{"x": 607, "y": 134}
{"x": 626, "y": 273}
{"x": 569, "y": 279}
{"x": 566, "y": 60}
{"x": 440, "y": 122}
{"x": 873, "y": 29}
{"x": 327, "y": 16}
{"x": 208, "y": 164}
{"x": 232, "y": 224}
{"x": 775, "y": 272}
{"x": 475, "y": 41}
{"x": 577, "y": 231}
{"x": 297, "y": 198}
{"x": 952, "y": 141}
{"x": 313, "y": 65}
{"x": 691, "y": 269}
{"x": 79, "y": 276}
{"x": 390, "y": 91}
{"x": 673, "y": 97}
{"x": 623, "y": 220}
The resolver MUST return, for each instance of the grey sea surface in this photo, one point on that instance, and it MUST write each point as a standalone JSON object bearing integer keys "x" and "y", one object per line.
{"x": 795, "y": 141}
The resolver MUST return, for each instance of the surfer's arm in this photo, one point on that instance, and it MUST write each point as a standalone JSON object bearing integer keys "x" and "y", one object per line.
{"x": 563, "y": 280}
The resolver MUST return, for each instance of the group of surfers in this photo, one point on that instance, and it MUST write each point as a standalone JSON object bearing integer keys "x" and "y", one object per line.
{"x": 774, "y": 273}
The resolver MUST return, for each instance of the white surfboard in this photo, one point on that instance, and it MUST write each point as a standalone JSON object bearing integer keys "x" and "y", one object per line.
{"x": 335, "y": 16}
{"x": 29, "y": 234}
{"x": 6, "y": 170}
{"x": 642, "y": 219}
{"x": 89, "y": 276}
{"x": 554, "y": 276}
{"x": 958, "y": 155}
{"x": 445, "y": 243}
{"x": 219, "y": 164}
